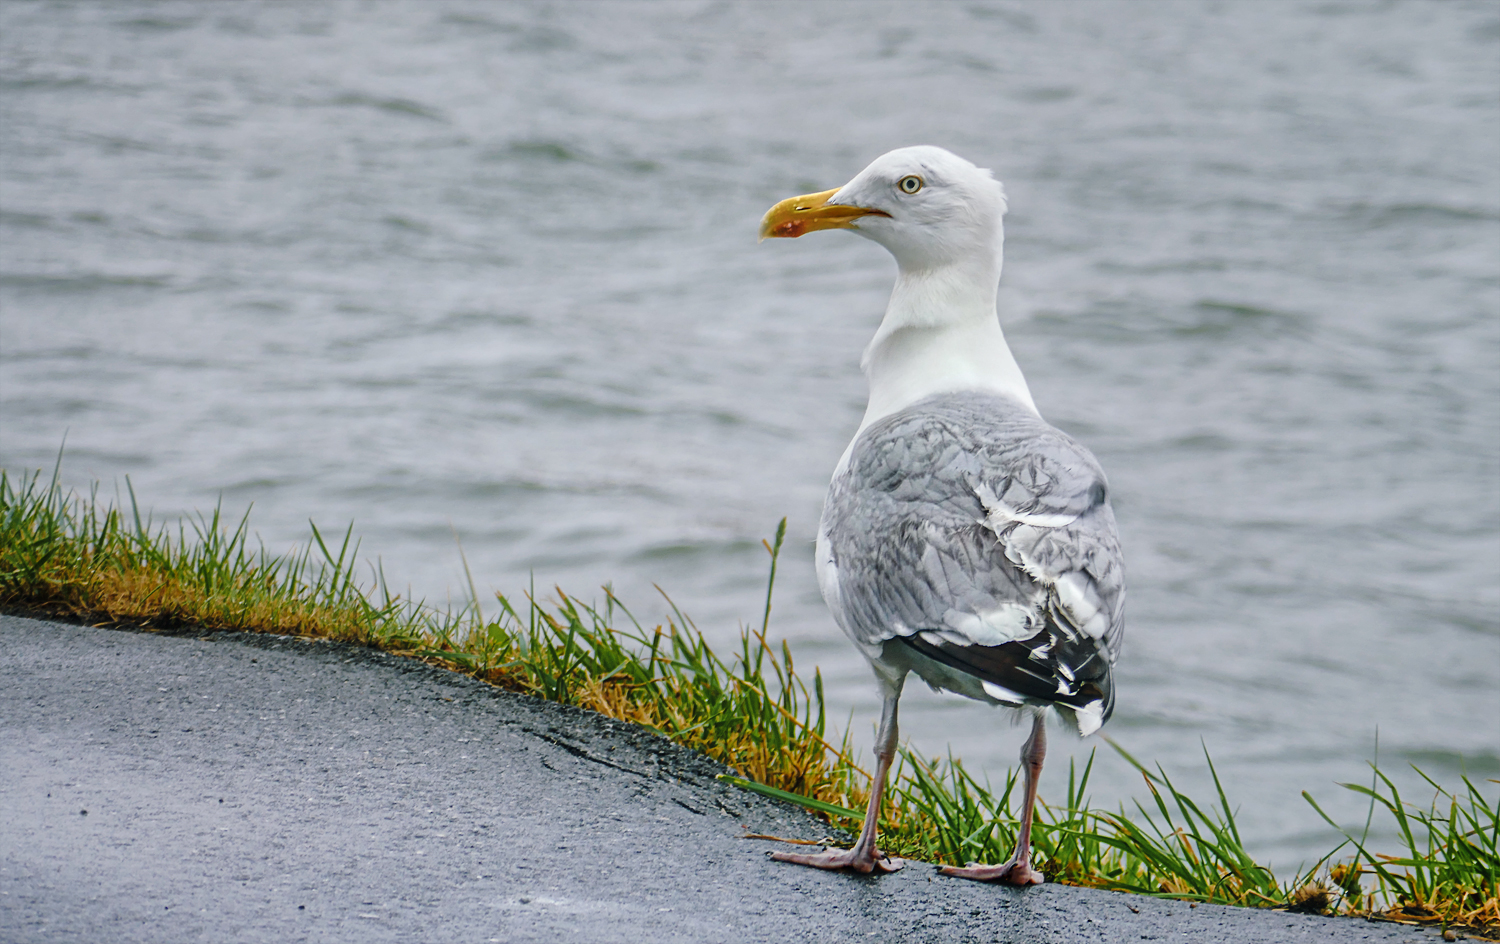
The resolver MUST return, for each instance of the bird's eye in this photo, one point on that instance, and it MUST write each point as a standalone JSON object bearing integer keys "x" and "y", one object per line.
{"x": 910, "y": 184}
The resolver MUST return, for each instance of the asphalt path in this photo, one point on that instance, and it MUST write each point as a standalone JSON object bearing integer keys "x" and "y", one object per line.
{"x": 239, "y": 787}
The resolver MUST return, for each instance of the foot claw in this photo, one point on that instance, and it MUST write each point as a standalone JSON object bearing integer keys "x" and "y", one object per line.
{"x": 838, "y": 859}
{"x": 1011, "y": 873}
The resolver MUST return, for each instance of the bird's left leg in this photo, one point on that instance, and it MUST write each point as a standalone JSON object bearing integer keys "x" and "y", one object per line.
{"x": 864, "y": 857}
{"x": 1018, "y": 870}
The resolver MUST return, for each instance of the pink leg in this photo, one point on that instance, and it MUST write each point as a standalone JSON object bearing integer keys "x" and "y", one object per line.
{"x": 1018, "y": 870}
{"x": 864, "y": 857}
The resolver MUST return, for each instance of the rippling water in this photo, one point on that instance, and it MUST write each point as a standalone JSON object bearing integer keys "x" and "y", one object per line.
{"x": 489, "y": 272}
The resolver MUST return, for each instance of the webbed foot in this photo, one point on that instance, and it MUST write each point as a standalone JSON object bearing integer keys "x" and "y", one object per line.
{"x": 1011, "y": 873}
{"x": 838, "y": 859}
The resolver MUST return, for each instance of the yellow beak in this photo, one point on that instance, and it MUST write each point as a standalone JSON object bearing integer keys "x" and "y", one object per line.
{"x": 797, "y": 215}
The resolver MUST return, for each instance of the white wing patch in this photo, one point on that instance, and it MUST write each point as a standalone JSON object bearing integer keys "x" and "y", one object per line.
{"x": 1079, "y": 596}
{"x": 1005, "y": 623}
{"x": 999, "y": 515}
{"x": 1002, "y": 694}
{"x": 1090, "y": 718}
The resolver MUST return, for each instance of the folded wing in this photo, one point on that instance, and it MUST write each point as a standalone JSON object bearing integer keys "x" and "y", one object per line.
{"x": 969, "y": 541}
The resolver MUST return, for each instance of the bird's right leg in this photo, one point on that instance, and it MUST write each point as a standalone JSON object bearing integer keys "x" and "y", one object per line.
{"x": 864, "y": 857}
{"x": 1018, "y": 870}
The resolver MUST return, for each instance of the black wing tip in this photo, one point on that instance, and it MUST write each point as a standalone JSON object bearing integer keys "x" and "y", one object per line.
{"x": 1012, "y": 667}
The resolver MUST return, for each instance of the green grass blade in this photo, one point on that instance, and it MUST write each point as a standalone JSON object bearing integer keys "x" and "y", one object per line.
{"x": 816, "y": 805}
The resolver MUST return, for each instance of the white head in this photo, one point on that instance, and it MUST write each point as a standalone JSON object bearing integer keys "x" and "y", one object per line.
{"x": 941, "y": 217}
{"x": 929, "y": 207}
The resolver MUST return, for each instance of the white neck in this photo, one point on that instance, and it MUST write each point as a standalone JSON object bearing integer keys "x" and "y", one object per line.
{"x": 941, "y": 334}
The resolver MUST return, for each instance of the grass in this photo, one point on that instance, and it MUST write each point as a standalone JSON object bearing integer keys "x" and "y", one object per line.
{"x": 74, "y": 556}
{"x": 1449, "y": 870}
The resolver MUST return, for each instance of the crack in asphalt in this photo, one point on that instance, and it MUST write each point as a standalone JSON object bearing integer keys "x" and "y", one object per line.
{"x": 587, "y": 755}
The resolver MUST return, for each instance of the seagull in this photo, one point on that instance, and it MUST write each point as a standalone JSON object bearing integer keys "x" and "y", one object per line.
{"x": 963, "y": 538}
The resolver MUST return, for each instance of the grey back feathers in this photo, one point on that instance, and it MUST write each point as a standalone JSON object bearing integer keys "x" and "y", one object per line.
{"x": 972, "y": 543}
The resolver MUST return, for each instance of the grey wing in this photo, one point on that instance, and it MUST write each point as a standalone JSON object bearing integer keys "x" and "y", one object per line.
{"x": 974, "y": 544}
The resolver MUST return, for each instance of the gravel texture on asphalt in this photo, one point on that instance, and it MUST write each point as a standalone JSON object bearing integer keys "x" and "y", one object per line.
{"x": 241, "y": 787}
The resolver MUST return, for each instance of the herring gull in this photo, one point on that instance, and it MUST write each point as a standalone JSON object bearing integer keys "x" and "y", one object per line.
{"x": 963, "y": 538}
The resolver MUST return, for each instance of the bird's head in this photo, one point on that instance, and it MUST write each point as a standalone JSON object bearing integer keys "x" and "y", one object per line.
{"x": 929, "y": 207}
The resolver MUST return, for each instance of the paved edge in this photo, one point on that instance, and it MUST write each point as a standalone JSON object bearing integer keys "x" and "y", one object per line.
{"x": 78, "y": 704}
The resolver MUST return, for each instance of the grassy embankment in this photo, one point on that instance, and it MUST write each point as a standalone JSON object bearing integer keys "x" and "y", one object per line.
{"x": 74, "y": 556}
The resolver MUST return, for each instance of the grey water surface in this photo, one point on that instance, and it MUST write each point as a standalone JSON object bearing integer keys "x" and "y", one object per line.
{"x": 487, "y": 273}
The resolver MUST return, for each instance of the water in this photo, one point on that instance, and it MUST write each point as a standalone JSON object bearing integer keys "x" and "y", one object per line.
{"x": 488, "y": 272}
